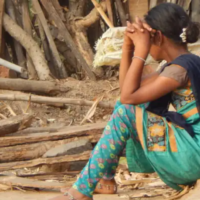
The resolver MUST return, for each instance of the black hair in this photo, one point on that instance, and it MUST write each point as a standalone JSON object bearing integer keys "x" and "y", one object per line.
{"x": 170, "y": 19}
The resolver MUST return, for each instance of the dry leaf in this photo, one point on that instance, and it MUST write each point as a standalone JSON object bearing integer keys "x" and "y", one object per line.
{"x": 92, "y": 110}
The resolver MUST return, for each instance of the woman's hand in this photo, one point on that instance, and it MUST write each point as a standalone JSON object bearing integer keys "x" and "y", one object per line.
{"x": 141, "y": 39}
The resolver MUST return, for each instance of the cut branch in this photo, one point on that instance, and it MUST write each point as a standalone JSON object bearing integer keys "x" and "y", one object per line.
{"x": 49, "y": 100}
{"x": 91, "y": 18}
{"x": 59, "y": 63}
{"x": 18, "y": 48}
{"x": 121, "y": 11}
{"x": 28, "y": 28}
{"x": 109, "y": 9}
{"x": 30, "y": 45}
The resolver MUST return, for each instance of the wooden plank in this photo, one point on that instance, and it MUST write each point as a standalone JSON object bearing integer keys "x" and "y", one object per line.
{"x": 69, "y": 133}
{"x": 45, "y": 161}
{"x": 36, "y": 150}
{"x": 2, "y": 7}
{"x": 67, "y": 37}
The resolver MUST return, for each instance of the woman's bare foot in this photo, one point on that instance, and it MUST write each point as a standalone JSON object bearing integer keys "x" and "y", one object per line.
{"x": 106, "y": 187}
{"x": 73, "y": 195}
{"x": 103, "y": 187}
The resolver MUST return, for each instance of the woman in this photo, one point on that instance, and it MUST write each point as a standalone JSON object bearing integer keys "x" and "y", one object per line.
{"x": 164, "y": 142}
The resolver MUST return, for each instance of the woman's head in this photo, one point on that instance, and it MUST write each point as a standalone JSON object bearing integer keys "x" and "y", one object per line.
{"x": 171, "y": 21}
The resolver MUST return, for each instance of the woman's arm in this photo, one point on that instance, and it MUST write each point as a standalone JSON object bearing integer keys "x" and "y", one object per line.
{"x": 127, "y": 54}
{"x": 132, "y": 92}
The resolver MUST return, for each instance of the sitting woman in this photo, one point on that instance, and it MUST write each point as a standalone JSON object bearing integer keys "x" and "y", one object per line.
{"x": 164, "y": 142}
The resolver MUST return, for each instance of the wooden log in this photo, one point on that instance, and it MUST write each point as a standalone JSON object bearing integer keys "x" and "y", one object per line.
{"x": 30, "y": 45}
{"x": 53, "y": 100}
{"x": 40, "y": 14}
{"x": 71, "y": 132}
{"x": 2, "y": 7}
{"x": 37, "y": 150}
{"x": 41, "y": 161}
{"x": 27, "y": 24}
{"x": 45, "y": 87}
{"x": 18, "y": 48}
{"x": 14, "y": 181}
{"x": 67, "y": 37}
{"x": 109, "y": 10}
{"x": 14, "y": 124}
{"x": 121, "y": 11}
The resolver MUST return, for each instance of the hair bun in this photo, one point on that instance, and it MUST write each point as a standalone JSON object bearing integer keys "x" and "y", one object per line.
{"x": 193, "y": 32}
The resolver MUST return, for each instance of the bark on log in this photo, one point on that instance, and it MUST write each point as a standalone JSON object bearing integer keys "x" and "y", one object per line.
{"x": 42, "y": 161}
{"x": 45, "y": 87}
{"x": 67, "y": 37}
{"x": 69, "y": 133}
{"x": 14, "y": 124}
{"x": 59, "y": 9}
{"x": 27, "y": 24}
{"x": 121, "y": 11}
{"x": 50, "y": 100}
{"x": 59, "y": 63}
{"x": 18, "y": 48}
{"x": 30, "y": 45}
{"x": 2, "y": 8}
{"x": 37, "y": 150}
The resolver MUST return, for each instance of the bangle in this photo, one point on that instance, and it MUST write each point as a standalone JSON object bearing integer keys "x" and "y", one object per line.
{"x": 139, "y": 58}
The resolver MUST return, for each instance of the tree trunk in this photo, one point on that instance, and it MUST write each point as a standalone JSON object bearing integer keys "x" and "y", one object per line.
{"x": 18, "y": 48}
{"x": 30, "y": 45}
{"x": 28, "y": 28}
{"x": 59, "y": 63}
{"x": 41, "y": 87}
{"x": 42, "y": 161}
{"x": 71, "y": 132}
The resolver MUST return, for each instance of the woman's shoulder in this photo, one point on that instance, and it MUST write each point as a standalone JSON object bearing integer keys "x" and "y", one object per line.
{"x": 175, "y": 72}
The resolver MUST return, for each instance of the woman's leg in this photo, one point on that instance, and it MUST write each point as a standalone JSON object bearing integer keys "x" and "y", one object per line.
{"x": 104, "y": 158}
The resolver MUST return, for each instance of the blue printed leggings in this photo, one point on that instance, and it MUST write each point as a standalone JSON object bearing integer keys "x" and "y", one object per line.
{"x": 105, "y": 156}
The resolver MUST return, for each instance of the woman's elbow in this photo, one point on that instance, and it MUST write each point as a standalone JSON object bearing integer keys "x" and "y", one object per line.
{"x": 127, "y": 100}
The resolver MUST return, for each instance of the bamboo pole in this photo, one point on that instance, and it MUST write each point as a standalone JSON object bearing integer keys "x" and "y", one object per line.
{"x": 102, "y": 13}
